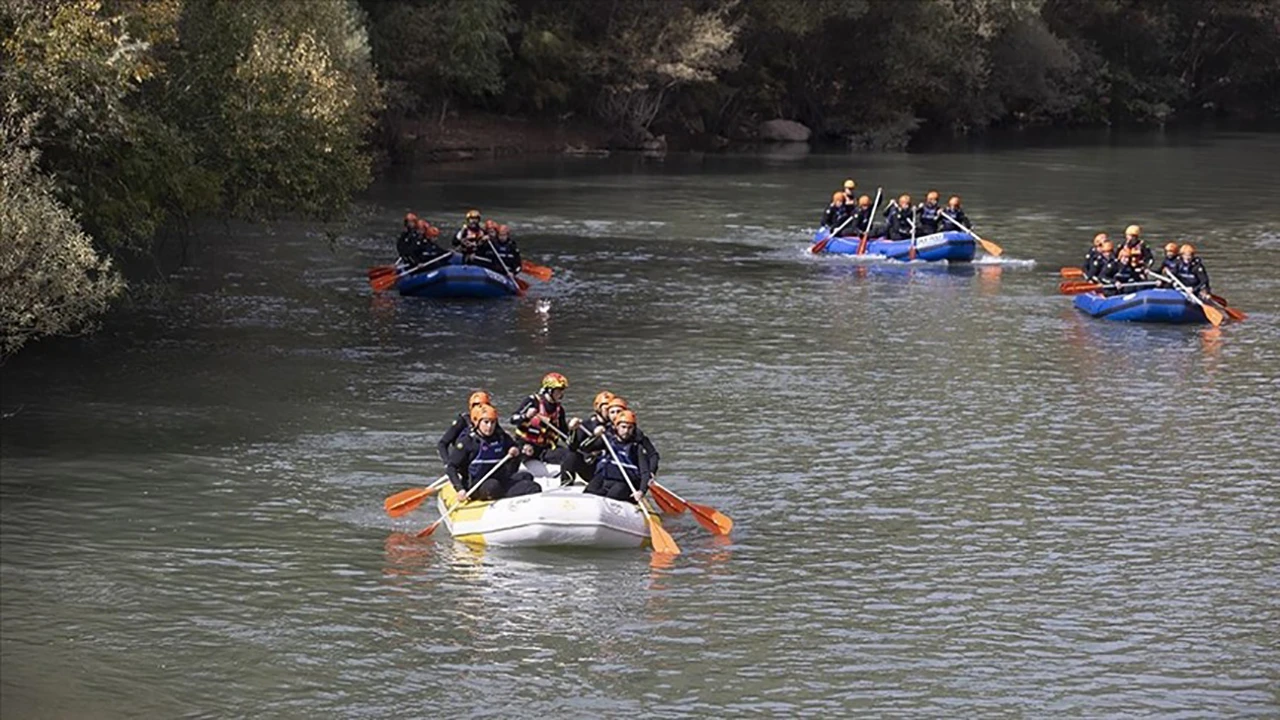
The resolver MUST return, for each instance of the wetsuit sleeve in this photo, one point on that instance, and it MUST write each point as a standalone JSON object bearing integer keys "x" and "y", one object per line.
{"x": 460, "y": 457}
{"x": 518, "y": 418}
{"x": 450, "y": 437}
{"x": 650, "y": 452}
{"x": 1202, "y": 278}
{"x": 516, "y": 259}
{"x": 592, "y": 444}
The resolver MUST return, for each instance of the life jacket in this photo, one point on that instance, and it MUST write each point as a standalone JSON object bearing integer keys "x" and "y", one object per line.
{"x": 929, "y": 217}
{"x": 491, "y": 453}
{"x": 1189, "y": 272}
{"x": 628, "y": 453}
{"x": 539, "y": 436}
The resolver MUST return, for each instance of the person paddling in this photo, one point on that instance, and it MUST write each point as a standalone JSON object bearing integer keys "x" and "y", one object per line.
{"x": 1107, "y": 265}
{"x": 479, "y": 450}
{"x": 407, "y": 243}
{"x": 929, "y": 214}
{"x": 862, "y": 217}
{"x": 955, "y": 211}
{"x": 836, "y": 213}
{"x": 1191, "y": 272}
{"x": 540, "y": 421}
{"x": 470, "y": 236}
{"x": 1093, "y": 259}
{"x": 898, "y": 220}
{"x": 628, "y": 461}
{"x": 461, "y": 424}
{"x": 507, "y": 258}
{"x": 1132, "y": 269}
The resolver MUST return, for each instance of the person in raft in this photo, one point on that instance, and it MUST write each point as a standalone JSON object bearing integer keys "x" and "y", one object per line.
{"x": 1107, "y": 266}
{"x": 850, "y": 196}
{"x": 957, "y": 212}
{"x": 836, "y": 213}
{"x": 583, "y": 462}
{"x": 470, "y": 236}
{"x": 407, "y": 243}
{"x": 1132, "y": 269}
{"x": 898, "y": 220}
{"x": 540, "y": 422}
{"x": 928, "y": 215}
{"x": 1134, "y": 243}
{"x": 1093, "y": 259}
{"x": 461, "y": 424}
{"x": 629, "y": 453}
{"x": 476, "y": 453}
{"x": 1170, "y": 263}
{"x": 1191, "y": 272}
{"x": 862, "y": 217}
{"x": 507, "y": 259}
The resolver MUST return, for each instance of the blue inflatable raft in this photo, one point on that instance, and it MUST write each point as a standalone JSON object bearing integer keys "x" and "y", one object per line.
{"x": 953, "y": 246}
{"x": 1155, "y": 305}
{"x": 457, "y": 281}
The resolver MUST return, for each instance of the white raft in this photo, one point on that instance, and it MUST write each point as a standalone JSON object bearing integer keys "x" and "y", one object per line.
{"x": 558, "y": 516}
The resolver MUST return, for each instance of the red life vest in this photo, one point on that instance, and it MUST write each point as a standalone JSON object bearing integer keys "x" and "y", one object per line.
{"x": 535, "y": 434}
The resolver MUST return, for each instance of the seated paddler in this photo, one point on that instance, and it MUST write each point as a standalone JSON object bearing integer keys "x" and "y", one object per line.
{"x": 477, "y": 453}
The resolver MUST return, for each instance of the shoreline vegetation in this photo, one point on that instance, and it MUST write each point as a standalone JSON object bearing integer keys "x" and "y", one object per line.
{"x": 126, "y": 120}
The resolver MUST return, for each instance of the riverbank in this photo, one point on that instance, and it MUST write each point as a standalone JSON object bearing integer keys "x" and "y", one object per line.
{"x": 474, "y": 136}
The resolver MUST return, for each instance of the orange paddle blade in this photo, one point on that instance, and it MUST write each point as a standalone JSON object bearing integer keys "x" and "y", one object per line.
{"x": 662, "y": 540}
{"x": 381, "y": 270}
{"x": 819, "y": 246}
{"x": 522, "y": 286}
{"x": 990, "y": 247}
{"x": 384, "y": 282}
{"x": 1076, "y": 288}
{"x": 405, "y": 501}
{"x": 1234, "y": 314}
{"x": 1213, "y": 313}
{"x": 1071, "y": 272}
{"x": 541, "y": 272}
{"x": 713, "y": 520}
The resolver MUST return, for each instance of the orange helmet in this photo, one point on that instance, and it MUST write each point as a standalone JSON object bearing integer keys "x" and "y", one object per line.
{"x": 1132, "y": 231}
{"x": 1107, "y": 246}
{"x": 932, "y": 196}
{"x": 483, "y": 412}
{"x": 626, "y": 416}
{"x": 1099, "y": 239}
{"x": 837, "y": 197}
{"x": 953, "y": 201}
{"x": 1187, "y": 249}
{"x": 1124, "y": 252}
{"x": 503, "y": 231}
{"x": 602, "y": 398}
{"x": 433, "y": 231}
{"x": 554, "y": 380}
{"x": 904, "y": 199}
{"x": 490, "y": 225}
{"x": 410, "y": 217}
{"x": 421, "y": 225}
{"x": 479, "y": 397}
{"x": 616, "y": 402}
{"x": 864, "y": 201}
{"x": 1171, "y": 248}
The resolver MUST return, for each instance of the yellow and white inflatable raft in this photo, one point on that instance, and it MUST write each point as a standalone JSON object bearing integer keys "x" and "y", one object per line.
{"x": 556, "y": 516}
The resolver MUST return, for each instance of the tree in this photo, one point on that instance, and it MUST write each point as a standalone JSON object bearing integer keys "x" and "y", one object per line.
{"x": 52, "y": 281}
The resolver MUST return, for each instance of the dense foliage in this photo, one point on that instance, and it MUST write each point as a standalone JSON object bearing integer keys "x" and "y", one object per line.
{"x": 843, "y": 67}
{"x": 144, "y": 113}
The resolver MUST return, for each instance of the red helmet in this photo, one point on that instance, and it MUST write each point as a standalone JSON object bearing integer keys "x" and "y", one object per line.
{"x": 554, "y": 380}
{"x": 410, "y": 218}
{"x": 490, "y": 225}
{"x": 479, "y": 397}
{"x": 422, "y": 225}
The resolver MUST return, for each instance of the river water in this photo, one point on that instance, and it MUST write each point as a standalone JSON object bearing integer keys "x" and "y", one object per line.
{"x": 955, "y": 496}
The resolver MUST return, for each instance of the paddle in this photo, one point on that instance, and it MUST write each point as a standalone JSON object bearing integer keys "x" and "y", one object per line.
{"x": 1071, "y": 272}
{"x": 1213, "y": 314}
{"x": 665, "y": 502}
{"x": 1231, "y": 312}
{"x": 541, "y": 272}
{"x": 1076, "y": 288}
{"x": 987, "y": 245}
{"x": 521, "y": 285}
{"x": 871, "y": 220}
{"x": 821, "y": 245}
{"x": 406, "y": 501}
{"x": 662, "y": 540}
{"x": 388, "y": 280}
{"x": 382, "y": 270}
{"x": 462, "y": 498}
{"x": 708, "y": 517}
{"x": 911, "y": 251}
